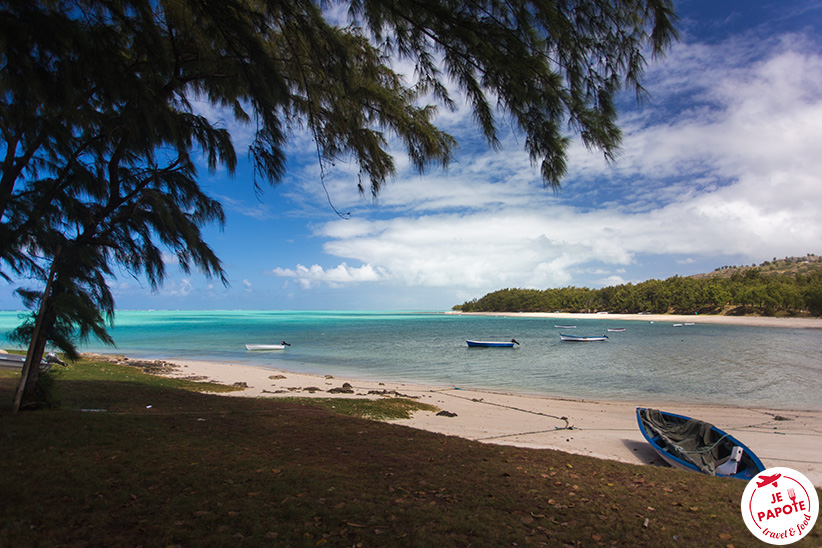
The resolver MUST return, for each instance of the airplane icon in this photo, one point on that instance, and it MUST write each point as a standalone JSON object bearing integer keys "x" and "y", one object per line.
{"x": 767, "y": 480}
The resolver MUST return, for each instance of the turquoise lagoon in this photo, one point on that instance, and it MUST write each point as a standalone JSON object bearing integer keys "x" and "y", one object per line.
{"x": 734, "y": 365}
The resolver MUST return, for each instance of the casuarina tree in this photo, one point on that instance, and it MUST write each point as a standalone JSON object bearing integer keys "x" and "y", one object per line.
{"x": 100, "y": 135}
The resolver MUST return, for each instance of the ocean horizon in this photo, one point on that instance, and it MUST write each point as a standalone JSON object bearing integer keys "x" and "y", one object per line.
{"x": 748, "y": 366}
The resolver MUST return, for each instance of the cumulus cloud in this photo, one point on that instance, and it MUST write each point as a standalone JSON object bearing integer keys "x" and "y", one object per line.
{"x": 722, "y": 162}
{"x": 177, "y": 288}
{"x": 307, "y": 277}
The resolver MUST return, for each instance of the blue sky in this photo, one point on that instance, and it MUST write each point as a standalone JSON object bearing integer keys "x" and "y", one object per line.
{"x": 722, "y": 165}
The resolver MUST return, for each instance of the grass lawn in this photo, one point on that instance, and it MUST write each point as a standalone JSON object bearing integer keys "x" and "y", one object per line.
{"x": 130, "y": 459}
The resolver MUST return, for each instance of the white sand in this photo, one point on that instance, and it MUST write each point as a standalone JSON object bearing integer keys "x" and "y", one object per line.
{"x": 760, "y": 321}
{"x": 604, "y": 429}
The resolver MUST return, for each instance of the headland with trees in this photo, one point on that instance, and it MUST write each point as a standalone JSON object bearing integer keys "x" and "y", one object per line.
{"x": 782, "y": 287}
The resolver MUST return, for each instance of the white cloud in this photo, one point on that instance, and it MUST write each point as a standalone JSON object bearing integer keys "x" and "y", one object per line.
{"x": 259, "y": 211}
{"x": 312, "y": 276}
{"x": 611, "y": 281}
{"x": 724, "y": 163}
{"x": 176, "y": 288}
{"x": 514, "y": 247}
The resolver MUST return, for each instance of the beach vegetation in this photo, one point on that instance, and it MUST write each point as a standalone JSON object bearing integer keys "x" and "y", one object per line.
{"x": 383, "y": 409}
{"x": 101, "y": 135}
{"x": 49, "y": 390}
{"x": 130, "y": 458}
{"x": 771, "y": 291}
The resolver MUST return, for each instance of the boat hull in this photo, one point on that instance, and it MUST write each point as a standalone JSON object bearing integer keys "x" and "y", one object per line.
{"x": 490, "y": 344}
{"x": 574, "y": 338}
{"x": 15, "y": 362}
{"x": 749, "y": 464}
{"x": 256, "y": 347}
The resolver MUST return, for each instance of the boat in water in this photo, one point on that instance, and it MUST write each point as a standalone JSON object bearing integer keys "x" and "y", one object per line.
{"x": 575, "y": 338}
{"x": 616, "y": 329}
{"x": 255, "y": 347}
{"x": 692, "y": 444}
{"x": 492, "y": 344}
{"x": 565, "y": 326}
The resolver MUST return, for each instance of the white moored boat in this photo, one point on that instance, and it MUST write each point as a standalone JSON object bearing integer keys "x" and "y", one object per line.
{"x": 267, "y": 346}
{"x": 573, "y": 338}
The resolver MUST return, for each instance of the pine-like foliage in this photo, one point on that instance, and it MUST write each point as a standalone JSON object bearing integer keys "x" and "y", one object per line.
{"x": 99, "y": 132}
{"x": 546, "y": 63}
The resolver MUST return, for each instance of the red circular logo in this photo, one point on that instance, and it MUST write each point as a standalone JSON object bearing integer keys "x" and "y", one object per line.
{"x": 780, "y": 506}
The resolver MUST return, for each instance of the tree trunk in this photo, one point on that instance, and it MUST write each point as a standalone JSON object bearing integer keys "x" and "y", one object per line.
{"x": 31, "y": 368}
{"x": 39, "y": 346}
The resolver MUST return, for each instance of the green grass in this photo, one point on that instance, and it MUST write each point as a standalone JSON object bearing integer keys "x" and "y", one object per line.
{"x": 165, "y": 465}
{"x": 381, "y": 410}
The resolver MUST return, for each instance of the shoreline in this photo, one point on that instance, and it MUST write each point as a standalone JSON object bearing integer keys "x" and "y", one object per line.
{"x": 753, "y": 321}
{"x": 603, "y": 429}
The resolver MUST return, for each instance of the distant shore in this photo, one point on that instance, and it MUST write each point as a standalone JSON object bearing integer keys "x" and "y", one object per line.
{"x": 759, "y": 321}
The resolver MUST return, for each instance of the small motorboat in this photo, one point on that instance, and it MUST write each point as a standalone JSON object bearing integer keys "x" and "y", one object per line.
{"x": 616, "y": 329}
{"x": 15, "y": 362}
{"x": 492, "y": 344}
{"x": 280, "y": 346}
{"x": 574, "y": 338}
{"x": 565, "y": 326}
{"x": 692, "y": 444}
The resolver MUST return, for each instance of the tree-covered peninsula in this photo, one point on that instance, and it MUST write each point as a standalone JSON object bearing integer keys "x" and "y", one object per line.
{"x": 782, "y": 287}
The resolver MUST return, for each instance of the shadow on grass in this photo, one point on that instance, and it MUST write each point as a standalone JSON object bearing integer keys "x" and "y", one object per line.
{"x": 164, "y": 466}
{"x": 644, "y": 453}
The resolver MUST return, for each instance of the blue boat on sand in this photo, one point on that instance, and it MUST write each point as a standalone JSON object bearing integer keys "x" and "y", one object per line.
{"x": 692, "y": 444}
{"x": 492, "y": 344}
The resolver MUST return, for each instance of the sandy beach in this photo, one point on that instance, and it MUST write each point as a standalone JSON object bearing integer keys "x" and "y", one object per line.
{"x": 758, "y": 321}
{"x": 603, "y": 429}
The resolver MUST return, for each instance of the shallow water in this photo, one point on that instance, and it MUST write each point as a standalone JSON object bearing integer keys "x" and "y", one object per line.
{"x": 719, "y": 364}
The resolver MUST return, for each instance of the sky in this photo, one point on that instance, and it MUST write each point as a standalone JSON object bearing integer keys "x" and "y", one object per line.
{"x": 721, "y": 165}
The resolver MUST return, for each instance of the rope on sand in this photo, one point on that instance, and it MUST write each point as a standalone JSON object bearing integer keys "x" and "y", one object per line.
{"x": 517, "y": 434}
{"x": 567, "y": 426}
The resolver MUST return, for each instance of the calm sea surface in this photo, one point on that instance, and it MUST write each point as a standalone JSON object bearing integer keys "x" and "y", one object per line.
{"x": 738, "y": 365}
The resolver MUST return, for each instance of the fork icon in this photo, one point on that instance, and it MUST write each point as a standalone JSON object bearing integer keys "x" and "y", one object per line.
{"x": 792, "y": 495}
